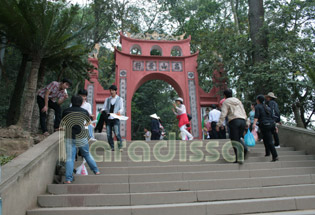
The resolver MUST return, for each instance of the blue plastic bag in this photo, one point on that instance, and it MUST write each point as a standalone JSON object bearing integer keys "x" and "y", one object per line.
{"x": 249, "y": 139}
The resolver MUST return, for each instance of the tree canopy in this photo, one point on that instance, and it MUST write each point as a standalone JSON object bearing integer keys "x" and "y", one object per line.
{"x": 263, "y": 46}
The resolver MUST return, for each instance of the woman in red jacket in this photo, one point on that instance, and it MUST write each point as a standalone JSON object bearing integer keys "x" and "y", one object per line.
{"x": 180, "y": 111}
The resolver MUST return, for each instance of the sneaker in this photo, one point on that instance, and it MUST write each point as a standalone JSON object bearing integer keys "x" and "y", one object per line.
{"x": 121, "y": 150}
{"x": 191, "y": 138}
{"x": 277, "y": 147}
{"x": 92, "y": 140}
{"x": 46, "y": 134}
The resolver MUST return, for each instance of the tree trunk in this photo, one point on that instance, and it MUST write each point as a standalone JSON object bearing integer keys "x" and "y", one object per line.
{"x": 297, "y": 116}
{"x": 257, "y": 33}
{"x": 50, "y": 120}
{"x": 235, "y": 17}
{"x": 40, "y": 84}
{"x": 2, "y": 52}
{"x": 25, "y": 120}
{"x": 16, "y": 99}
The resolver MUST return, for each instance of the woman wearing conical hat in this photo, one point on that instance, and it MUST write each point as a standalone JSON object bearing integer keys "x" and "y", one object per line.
{"x": 155, "y": 127}
{"x": 180, "y": 111}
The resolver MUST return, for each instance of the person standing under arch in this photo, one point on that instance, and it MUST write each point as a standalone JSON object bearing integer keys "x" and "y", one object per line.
{"x": 113, "y": 104}
{"x": 180, "y": 111}
{"x": 155, "y": 127}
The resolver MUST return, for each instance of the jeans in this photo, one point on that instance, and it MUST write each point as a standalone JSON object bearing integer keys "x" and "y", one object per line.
{"x": 237, "y": 127}
{"x": 71, "y": 150}
{"x": 42, "y": 116}
{"x": 113, "y": 124}
{"x": 266, "y": 131}
{"x": 90, "y": 127}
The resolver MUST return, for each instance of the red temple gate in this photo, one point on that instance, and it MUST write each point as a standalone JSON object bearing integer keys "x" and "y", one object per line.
{"x": 135, "y": 65}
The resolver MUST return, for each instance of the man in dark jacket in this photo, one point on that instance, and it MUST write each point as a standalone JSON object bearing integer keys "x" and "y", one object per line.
{"x": 73, "y": 119}
{"x": 270, "y": 101}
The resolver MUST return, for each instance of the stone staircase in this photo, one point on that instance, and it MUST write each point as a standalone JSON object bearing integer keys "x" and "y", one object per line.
{"x": 192, "y": 188}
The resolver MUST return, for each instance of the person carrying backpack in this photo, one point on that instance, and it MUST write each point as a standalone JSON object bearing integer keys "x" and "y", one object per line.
{"x": 275, "y": 113}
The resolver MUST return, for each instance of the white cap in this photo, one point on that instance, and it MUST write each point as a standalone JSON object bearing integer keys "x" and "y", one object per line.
{"x": 179, "y": 99}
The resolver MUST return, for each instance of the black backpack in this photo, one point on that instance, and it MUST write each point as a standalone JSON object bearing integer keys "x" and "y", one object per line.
{"x": 189, "y": 117}
{"x": 275, "y": 113}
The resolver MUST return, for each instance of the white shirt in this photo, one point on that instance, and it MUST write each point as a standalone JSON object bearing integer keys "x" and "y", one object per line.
{"x": 113, "y": 101}
{"x": 180, "y": 110}
{"x": 86, "y": 106}
{"x": 148, "y": 136}
{"x": 214, "y": 115}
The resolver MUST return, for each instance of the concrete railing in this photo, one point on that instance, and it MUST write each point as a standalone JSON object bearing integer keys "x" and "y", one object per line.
{"x": 299, "y": 138}
{"x": 27, "y": 176}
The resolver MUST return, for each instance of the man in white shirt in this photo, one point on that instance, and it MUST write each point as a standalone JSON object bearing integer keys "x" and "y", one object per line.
{"x": 214, "y": 117}
{"x": 87, "y": 106}
{"x": 113, "y": 104}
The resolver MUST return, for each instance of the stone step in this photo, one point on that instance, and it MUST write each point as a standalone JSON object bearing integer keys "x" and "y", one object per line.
{"x": 291, "y": 203}
{"x": 179, "y": 176}
{"x": 152, "y": 162}
{"x": 91, "y": 200}
{"x": 203, "y": 167}
{"x": 252, "y": 153}
{"x": 298, "y": 212}
{"x": 259, "y": 147}
{"x": 166, "y": 186}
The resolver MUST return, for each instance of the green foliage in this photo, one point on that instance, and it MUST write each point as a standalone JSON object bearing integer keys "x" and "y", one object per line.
{"x": 5, "y": 159}
{"x": 153, "y": 97}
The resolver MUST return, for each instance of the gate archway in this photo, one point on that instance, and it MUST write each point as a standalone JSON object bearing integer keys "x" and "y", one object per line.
{"x": 132, "y": 70}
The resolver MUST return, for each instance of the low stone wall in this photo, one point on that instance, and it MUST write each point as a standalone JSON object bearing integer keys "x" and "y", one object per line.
{"x": 27, "y": 176}
{"x": 299, "y": 138}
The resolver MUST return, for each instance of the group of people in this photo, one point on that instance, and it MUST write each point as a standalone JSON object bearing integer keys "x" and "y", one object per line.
{"x": 232, "y": 114}
{"x": 79, "y": 112}
{"x": 157, "y": 129}
{"x": 233, "y": 110}
{"x": 209, "y": 123}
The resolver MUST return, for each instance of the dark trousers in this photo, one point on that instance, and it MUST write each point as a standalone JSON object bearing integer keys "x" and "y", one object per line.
{"x": 101, "y": 121}
{"x": 237, "y": 128}
{"x": 266, "y": 131}
{"x": 43, "y": 116}
{"x": 222, "y": 133}
{"x": 155, "y": 135}
{"x": 215, "y": 134}
{"x": 275, "y": 136}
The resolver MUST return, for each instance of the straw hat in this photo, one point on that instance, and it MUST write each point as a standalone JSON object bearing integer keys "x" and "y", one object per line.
{"x": 271, "y": 95}
{"x": 179, "y": 99}
{"x": 154, "y": 116}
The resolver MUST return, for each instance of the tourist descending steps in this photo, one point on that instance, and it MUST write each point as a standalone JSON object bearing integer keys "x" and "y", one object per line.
{"x": 52, "y": 96}
{"x": 266, "y": 125}
{"x": 234, "y": 110}
{"x": 180, "y": 111}
{"x": 113, "y": 104}
{"x": 74, "y": 118}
